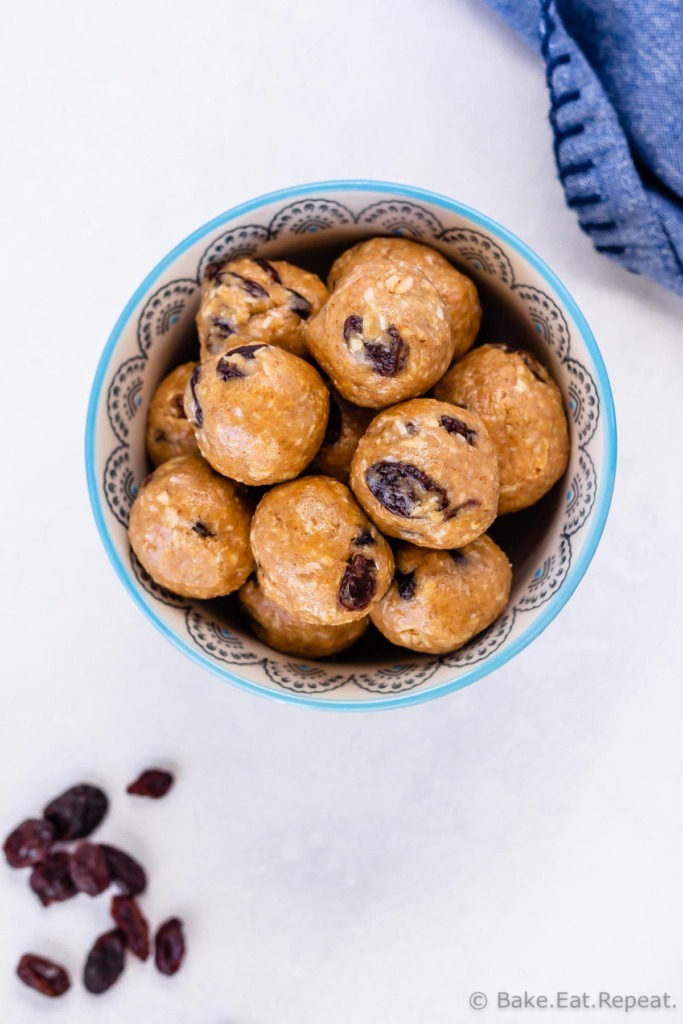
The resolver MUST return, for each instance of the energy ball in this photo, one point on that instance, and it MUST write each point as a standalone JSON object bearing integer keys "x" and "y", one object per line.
{"x": 441, "y": 599}
{"x": 260, "y": 413}
{"x": 346, "y": 425}
{"x": 524, "y": 413}
{"x": 256, "y": 300}
{"x": 383, "y": 335}
{"x": 425, "y": 471}
{"x": 288, "y": 633}
{"x": 169, "y": 432}
{"x": 316, "y": 552}
{"x": 189, "y": 527}
{"x": 457, "y": 291}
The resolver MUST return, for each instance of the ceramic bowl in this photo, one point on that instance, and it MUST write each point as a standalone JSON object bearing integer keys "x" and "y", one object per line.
{"x": 550, "y": 545}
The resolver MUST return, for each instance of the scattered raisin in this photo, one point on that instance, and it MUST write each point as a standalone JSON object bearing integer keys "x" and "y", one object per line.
{"x": 459, "y": 428}
{"x": 169, "y": 945}
{"x": 411, "y": 428}
{"x": 358, "y": 585}
{"x": 387, "y": 358}
{"x": 105, "y": 962}
{"x": 269, "y": 269}
{"x": 125, "y": 871}
{"x": 51, "y": 880}
{"x": 402, "y": 488}
{"x": 532, "y": 366}
{"x": 405, "y": 581}
{"x": 334, "y": 424}
{"x": 224, "y": 326}
{"x": 364, "y": 539}
{"x": 352, "y": 325}
{"x": 194, "y": 380}
{"x": 130, "y": 919}
{"x": 29, "y": 843}
{"x": 154, "y": 782}
{"x": 248, "y": 285}
{"x": 77, "y": 812}
{"x": 299, "y": 304}
{"x": 225, "y": 370}
{"x": 247, "y": 351}
{"x": 89, "y": 869}
{"x": 45, "y": 976}
{"x": 453, "y": 512}
{"x": 203, "y": 530}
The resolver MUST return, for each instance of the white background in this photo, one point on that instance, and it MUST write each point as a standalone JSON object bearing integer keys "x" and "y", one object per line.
{"x": 526, "y": 832}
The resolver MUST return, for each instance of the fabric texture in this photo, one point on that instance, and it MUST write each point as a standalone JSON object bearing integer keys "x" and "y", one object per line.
{"x": 614, "y": 70}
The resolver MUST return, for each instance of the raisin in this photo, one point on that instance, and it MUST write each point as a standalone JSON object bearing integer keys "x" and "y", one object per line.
{"x": 334, "y": 424}
{"x": 402, "y": 488}
{"x": 203, "y": 530}
{"x": 269, "y": 269}
{"x": 358, "y": 585}
{"x": 169, "y": 946}
{"x": 387, "y": 359}
{"x": 223, "y": 325}
{"x": 248, "y": 285}
{"x": 125, "y": 871}
{"x": 352, "y": 325}
{"x": 77, "y": 812}
{"x": 51, "y": 880}
{"x": 154, "y": 782}
{"x": 130, "y": 919}
{"x": 29, "y": 843}
{"x": 248, "y": 351}
{"x": 470, "y": 503}
{"x": 364, "y": 539}
{"x": 225, "y": 370}
{"x": 89, "y": 869}
{"x": 45, "y": 976}
{"x": 105, "y": 962}
{"x": 532, "y": 366}
{"x": 458, "y": 428}
{"x": 213, "y": 270}
{"x": 299, "y": 304}
{"x": 405, "y": 581}
{"x": 197, "y": 412}
{"x": 411, "y": 428}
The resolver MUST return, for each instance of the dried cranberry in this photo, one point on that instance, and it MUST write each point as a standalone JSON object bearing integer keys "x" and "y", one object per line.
{"x": 105, "y": 962}
{"x": 154, "y": 782}
{"x": 248, "y": 285}
{"x": 197, "y": 410}
{"x": 224, "y": 326}
{"x": 29, "y": 843}
{"x": 77, "y": 812}
{"x": 334, "y": 424}
{"x": 51, "y": 880}
{"x": 402, "y": 488}
{"x": 387, "y": 357}
{"x": 203, "y": 530}
{"x": 299, "y": 304}
{"x": 470, "y": 503}
{"x": 169, "y": 946}
{"x": 358, "y": 585}
{"x": 405, "y": 581}
{"x": 130, "y": 919}
{"x": 125, "y": 871}
{"x": 532, "y": 366}
{"x": 89, "y": 869}
{"x": 364, "y": 539}
{"x": 269, "y": 269}
{"x": 459, "y": 428}
{"x": 45, "y": 976}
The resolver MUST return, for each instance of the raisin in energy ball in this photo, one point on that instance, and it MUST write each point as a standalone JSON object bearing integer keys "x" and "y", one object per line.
{"x": 426, "y": 471}
{"x": 285, "y": 632}
{"x": 256, "y": 300}
{"x": 169, "y": 432}
{"x": 189, "y": 527}
{"x": 523, "y": 411}
{"x": 441, "y": 599}
{"x": 260, "y": 413}
{"x": 345, "y": 427}
{"x": 317, "y": 554}
{"x": 457, "y": 291}
{"x": 383, "y": 335}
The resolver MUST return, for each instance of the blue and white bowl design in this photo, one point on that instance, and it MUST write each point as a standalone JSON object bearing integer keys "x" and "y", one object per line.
{"x": 148, "y": 341}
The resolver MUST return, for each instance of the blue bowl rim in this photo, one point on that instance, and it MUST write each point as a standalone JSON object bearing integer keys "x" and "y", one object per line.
{"x": 603, "y": 497}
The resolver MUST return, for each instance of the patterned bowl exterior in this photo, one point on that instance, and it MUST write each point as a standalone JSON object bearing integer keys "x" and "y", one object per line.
{"x": 144, "y": 345}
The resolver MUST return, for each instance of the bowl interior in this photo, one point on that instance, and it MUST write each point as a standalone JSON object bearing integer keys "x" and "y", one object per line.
{"x": 549, "y": 545}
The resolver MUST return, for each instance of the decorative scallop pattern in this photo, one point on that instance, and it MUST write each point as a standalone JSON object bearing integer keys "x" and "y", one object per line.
{"x": 162, "y": 311}
{"x": 480, "y": 252}
{"x": 308, "y": 216}
{"x": 233, "y": 245}
{"x": 124, "y": 397}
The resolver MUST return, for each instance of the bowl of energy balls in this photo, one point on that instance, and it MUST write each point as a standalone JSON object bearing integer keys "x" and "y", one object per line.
{"x": 351, "y": 445}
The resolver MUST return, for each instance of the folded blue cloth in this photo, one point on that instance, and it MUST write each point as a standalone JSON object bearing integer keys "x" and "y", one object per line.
{"x": 615, "y": 75}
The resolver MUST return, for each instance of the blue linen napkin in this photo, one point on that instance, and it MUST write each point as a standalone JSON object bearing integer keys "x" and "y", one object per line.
{"x": 614, "y": 70}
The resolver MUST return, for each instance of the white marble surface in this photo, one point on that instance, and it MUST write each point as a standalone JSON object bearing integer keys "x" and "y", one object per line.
{"x": 524, "y": 833}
